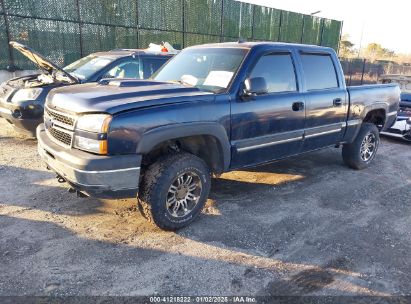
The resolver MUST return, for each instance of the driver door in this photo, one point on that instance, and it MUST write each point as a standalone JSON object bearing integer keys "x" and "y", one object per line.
{"x": 269, "y": 126}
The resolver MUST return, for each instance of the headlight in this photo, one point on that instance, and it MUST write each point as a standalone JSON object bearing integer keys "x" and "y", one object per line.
{"x": 27, "y": 94}
{"x": 91, "y": 145}
{"x": 94, "y": 123}
{"x": 92, "y": 135}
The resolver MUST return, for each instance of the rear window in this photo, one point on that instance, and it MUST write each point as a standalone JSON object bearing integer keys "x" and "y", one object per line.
{"x": 319, "y": 72}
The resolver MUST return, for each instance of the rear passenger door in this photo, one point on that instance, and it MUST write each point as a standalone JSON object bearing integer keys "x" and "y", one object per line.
{"x": 326, "y": 101}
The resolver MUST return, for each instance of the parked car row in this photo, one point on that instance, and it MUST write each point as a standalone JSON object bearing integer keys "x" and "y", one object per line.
{"x": 211, "y": 109}
{"x": 402, "y": 127}
{"x": 22, "y": 99}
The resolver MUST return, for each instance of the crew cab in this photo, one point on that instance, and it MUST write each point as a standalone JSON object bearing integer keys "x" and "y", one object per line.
{"x": 211, "y": 109}
{"x": 22, "y": 99}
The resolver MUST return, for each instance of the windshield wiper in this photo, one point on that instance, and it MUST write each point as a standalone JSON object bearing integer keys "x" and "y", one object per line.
{"x": 180, "y": 82}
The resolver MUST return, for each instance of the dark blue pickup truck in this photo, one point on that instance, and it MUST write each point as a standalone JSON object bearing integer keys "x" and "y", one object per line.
{"x": 211, "y": 109}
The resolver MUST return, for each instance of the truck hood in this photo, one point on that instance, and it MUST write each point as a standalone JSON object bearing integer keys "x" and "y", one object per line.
{"x": 42, "y": 62}
{"x": 117, "y": 96}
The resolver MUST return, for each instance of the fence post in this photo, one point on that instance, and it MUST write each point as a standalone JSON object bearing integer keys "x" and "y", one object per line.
{"x": 138, "y": 25}
{"x": 349, "y": 71}
{"x": 80, "y": 26}
{"x": 184, "y": 22}
{"x": 222, "y": 21}
{"x": 252, "y": 22}
{"x": 280, "y": 26}
{"x": 322, "y": 32}
{"x": 302, "y": 32}
{"x": 11, "y": 66}
{"x": 339, "y": 40}
{"x": 363, "y": 71}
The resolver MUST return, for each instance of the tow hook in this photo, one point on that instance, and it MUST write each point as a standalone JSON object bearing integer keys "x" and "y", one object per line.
{"x": 71, "y": 190}
{"x": 60, "y": 179}
{"x": 78, "y": 193}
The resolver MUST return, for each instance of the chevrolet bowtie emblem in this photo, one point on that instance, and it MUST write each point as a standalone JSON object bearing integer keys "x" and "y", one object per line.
{"x": 48, "y": 123}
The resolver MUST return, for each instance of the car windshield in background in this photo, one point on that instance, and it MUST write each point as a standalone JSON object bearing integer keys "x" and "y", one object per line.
{"x": 87, "y": 66}
{"x": 210, "y": 69}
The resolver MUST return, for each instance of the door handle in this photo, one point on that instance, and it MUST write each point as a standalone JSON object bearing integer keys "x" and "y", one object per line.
{"x": 298, "y": 106}
{"x": 337, "y": 102}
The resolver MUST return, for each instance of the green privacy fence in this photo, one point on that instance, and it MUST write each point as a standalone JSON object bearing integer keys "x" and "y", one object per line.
{"x": 66, "y": 30}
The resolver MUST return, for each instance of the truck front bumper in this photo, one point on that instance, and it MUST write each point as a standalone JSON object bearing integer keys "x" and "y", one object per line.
{"x": 96, "y": 175}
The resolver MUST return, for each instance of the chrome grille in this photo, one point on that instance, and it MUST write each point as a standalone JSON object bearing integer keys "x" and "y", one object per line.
{"x": 58, "y": 117}
{"x": 61, "y": 136}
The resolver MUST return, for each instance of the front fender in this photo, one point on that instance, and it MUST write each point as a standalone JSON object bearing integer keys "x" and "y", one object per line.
{"x": 161, "y": 134}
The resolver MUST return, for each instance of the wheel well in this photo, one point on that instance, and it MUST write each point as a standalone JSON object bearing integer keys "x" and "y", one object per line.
{"x": 376, "y": 117}
{"x": 206, "y": 147}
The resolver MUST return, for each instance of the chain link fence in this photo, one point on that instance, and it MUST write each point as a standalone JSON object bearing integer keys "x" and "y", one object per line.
{"x": 361, "y": 71}
{"x": 66, "y": 30}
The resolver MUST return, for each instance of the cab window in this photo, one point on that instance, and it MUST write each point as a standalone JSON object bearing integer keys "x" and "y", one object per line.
{"x": 319, "y": 72}
{"x": 127, "y": 69}
{"x": 278, "y": 71}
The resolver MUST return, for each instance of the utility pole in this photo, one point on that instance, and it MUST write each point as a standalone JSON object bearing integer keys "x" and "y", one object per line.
{"x": 362, "y": 35}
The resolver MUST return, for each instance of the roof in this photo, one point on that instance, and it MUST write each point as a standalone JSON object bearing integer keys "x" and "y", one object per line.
{"x": 129, "y": 52}
{"x": 251, "y": 45}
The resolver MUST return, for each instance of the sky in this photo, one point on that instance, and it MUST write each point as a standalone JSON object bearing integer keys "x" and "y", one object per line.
{"x": 386, "y": 23}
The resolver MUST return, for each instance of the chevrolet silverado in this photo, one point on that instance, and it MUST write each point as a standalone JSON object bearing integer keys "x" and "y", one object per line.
{"x": 211, "y": 109}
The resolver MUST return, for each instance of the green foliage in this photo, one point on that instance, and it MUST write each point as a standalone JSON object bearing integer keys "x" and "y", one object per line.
{"x": 375, "y": 51}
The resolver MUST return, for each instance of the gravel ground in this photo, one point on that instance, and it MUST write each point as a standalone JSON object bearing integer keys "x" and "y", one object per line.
{"x": 304, "y": 226}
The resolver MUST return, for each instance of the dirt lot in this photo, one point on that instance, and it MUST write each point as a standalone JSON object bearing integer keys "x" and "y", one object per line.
{"x": 305, "y": 226}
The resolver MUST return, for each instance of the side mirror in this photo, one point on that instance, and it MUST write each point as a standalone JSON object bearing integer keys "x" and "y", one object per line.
{"x": 255, "y": 86}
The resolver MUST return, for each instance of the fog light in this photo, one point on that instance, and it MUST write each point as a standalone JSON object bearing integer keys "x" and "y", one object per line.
{"x": 16, "y": 114}
{"x": 91, "y": 145}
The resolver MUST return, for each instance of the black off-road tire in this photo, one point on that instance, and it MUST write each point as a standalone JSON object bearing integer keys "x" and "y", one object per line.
{"x": 351, "y": 153}
{"x": 155, "y": 185}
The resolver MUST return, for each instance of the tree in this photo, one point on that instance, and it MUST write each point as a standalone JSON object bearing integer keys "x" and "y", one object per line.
{"x": 375, "y": 51}
{"x": 346, "y": 47}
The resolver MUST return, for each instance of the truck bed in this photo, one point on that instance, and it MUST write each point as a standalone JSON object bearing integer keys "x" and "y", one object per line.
{"x": 366, "y": 97}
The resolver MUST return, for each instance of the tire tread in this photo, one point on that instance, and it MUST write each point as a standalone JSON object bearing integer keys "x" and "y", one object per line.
{"x": 150, "y": 182}
{"x": 350, "y": 154}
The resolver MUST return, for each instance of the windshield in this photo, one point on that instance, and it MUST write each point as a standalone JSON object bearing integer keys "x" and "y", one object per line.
{"x": 87, "y": 66}
{"x": 210, "y": 69}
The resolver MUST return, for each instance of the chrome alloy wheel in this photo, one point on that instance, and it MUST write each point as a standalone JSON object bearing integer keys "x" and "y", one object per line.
{"x": 368, "y": 146}
{"x": 183, "y": 194}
